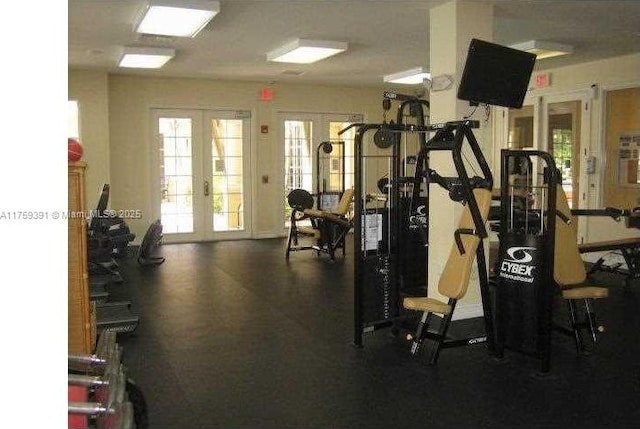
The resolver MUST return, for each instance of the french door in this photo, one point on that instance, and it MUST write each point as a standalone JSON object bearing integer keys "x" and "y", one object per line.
{"x": 202, "y": 174}
{"x": 558, "y": 124}
{"x": 302, "y": 133}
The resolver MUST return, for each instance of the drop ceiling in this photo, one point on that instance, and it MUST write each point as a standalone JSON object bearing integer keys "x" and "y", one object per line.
{"x": 384, "y": 36}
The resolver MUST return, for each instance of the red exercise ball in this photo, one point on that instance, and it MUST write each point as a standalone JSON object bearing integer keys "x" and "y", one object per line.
{"x": 75, "y": 150}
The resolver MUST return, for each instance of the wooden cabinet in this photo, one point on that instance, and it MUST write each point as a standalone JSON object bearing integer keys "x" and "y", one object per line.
{"x": 82, "y": 332}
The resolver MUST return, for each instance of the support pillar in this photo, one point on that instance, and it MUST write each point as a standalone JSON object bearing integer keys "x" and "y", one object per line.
{"x": 451, "y": 27}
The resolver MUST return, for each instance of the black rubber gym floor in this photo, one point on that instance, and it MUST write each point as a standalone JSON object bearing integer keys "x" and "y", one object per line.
{"x": 234, "y": 336}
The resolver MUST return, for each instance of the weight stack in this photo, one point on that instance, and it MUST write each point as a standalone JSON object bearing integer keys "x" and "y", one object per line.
{"x": 520, "y": 303}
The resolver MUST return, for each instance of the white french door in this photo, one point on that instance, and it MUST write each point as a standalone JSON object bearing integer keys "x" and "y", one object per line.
{"x": 202, "y": 173}
{"x": 302, "y": 133}
{"x": 559, "y": 124}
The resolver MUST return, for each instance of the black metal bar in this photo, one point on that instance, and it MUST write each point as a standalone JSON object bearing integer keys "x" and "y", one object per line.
{"x": 612, "y": 212}
{"x": 485, "y": 295}
{"x": 464, "y": 182}
{"x": 456, "y": 236}
{"x": 442, "y": 331}
{"x": 573, "y": 321}
{"x": 459, "y": 342}
{"x": 357, "y": 239}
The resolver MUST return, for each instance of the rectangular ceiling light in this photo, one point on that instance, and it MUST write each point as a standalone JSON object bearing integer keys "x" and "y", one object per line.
{"x": 179, "y": 18}
{"x": 145, "y": 58}
{"x": 304, "y": 51}
{"x": 409, "y": 77}
{"x": 543, "y": 49}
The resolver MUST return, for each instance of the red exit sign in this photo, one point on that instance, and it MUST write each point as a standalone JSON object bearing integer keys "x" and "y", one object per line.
{"x": 543, "y": 80}
{"x": 266, "y": 94}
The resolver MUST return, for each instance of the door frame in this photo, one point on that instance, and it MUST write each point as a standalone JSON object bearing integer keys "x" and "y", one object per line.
{"x": 200, "y": 119}
{"x": 540, "y": 102}
{"x": 320, "y": 132}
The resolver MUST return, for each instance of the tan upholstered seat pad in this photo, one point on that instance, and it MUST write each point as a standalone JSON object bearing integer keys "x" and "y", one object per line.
{"x": 568, "y": 267}
{"x": 426, "y": 304}
{"x": 331, "y": 217}
{"x": 587, "y": 292}
{"x": 308, "y": 230}
{"x": 454, "y": 280}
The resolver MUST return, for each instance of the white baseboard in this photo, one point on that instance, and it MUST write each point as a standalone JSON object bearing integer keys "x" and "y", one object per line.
{"x": 261, "y": 235}
{"x": 467, "y": 311}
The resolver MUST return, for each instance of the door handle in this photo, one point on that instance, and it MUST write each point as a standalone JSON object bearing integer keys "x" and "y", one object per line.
{"x": 206, "y": 188}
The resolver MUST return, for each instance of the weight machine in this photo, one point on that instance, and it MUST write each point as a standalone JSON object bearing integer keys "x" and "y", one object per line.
{"x": 539, "y": 260}
{"x": 326, "y": 225}
{"x": 381, "y": 272}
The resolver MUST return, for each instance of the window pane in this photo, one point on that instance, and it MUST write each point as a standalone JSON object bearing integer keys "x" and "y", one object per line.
{"x": 73, "y": 129}
{"x": 176, "y": 175}
{"x": 226, "y": 162}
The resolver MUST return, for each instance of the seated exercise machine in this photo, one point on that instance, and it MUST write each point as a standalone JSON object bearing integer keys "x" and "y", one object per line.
{"x": 320, "y": 222}
{"x": 382, "y": 297}
{"x": 454, "y": 282}
{"x": 629, "y": 248}
{"x": 468, "y": 246}
{"x": 328, "y": 229}
{"x": 389, "y": 241}
{"x": 539, "y": 263}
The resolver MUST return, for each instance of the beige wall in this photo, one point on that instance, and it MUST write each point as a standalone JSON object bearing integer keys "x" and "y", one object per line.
{"x": 622, "y": 116}
{"x": 114, "y": 126}
{"x": 90, "y": 89}
{"x": 603, "y": 75}
{"x": 131, "y": 99}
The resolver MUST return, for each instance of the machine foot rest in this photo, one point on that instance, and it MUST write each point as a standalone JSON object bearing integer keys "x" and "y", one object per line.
{"x": 116, "y": 317}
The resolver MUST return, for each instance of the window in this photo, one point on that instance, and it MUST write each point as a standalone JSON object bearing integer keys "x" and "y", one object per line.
{"x": 306, "y": 164}
{"x": 73, "y": 119}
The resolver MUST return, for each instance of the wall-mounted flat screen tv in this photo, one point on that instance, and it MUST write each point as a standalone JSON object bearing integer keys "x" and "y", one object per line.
{"x": 495, "y": 74}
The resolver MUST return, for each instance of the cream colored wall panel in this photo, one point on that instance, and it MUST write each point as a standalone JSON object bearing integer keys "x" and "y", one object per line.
{"x": 132, "y": 97}
{"x": 90, "y": 89}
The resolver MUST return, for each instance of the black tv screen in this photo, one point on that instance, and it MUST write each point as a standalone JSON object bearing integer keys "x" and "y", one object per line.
{"x": 495, "y": 74}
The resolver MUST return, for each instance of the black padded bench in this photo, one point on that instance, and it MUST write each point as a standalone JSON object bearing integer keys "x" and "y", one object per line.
{"x": 630, "y": 249}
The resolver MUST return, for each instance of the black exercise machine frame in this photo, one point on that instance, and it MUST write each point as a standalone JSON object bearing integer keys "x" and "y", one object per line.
{"x": 448, "y": 136}
{"x": 630, "y": 253}
{"x": 327, "y": 147}
{"x": 546, "y": 291}
{"x": 391, "y": 139}
{"x": 330, "y": 240}
{"x": 460, "y": 189}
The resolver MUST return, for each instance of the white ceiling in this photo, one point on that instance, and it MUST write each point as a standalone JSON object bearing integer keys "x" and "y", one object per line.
{"x": 384, "y": 36}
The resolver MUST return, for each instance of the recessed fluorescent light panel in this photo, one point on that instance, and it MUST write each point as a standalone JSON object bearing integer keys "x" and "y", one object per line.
{"x": 304, "y": 51}
{"x": 145, "y": 58}
{"x": 409, "y": 77}
{"x": 543, "y": 49}
{"x": 179, "y": 18}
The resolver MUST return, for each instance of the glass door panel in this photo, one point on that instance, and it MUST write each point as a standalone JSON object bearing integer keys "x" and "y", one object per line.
{"x": 348, "y": 138}
{"x": 303, "y": 133}
{"x": 176, "y": 174}
{"x": 298, "y": 159}
{"x": 227, "y": 148}
{"x": 202, "y": 180}
{"x": 520, "y": 128}
{"x": 563, "y": 140}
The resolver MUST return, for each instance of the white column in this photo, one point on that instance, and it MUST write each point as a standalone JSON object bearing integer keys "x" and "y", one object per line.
{"x": 452, "y": 26}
